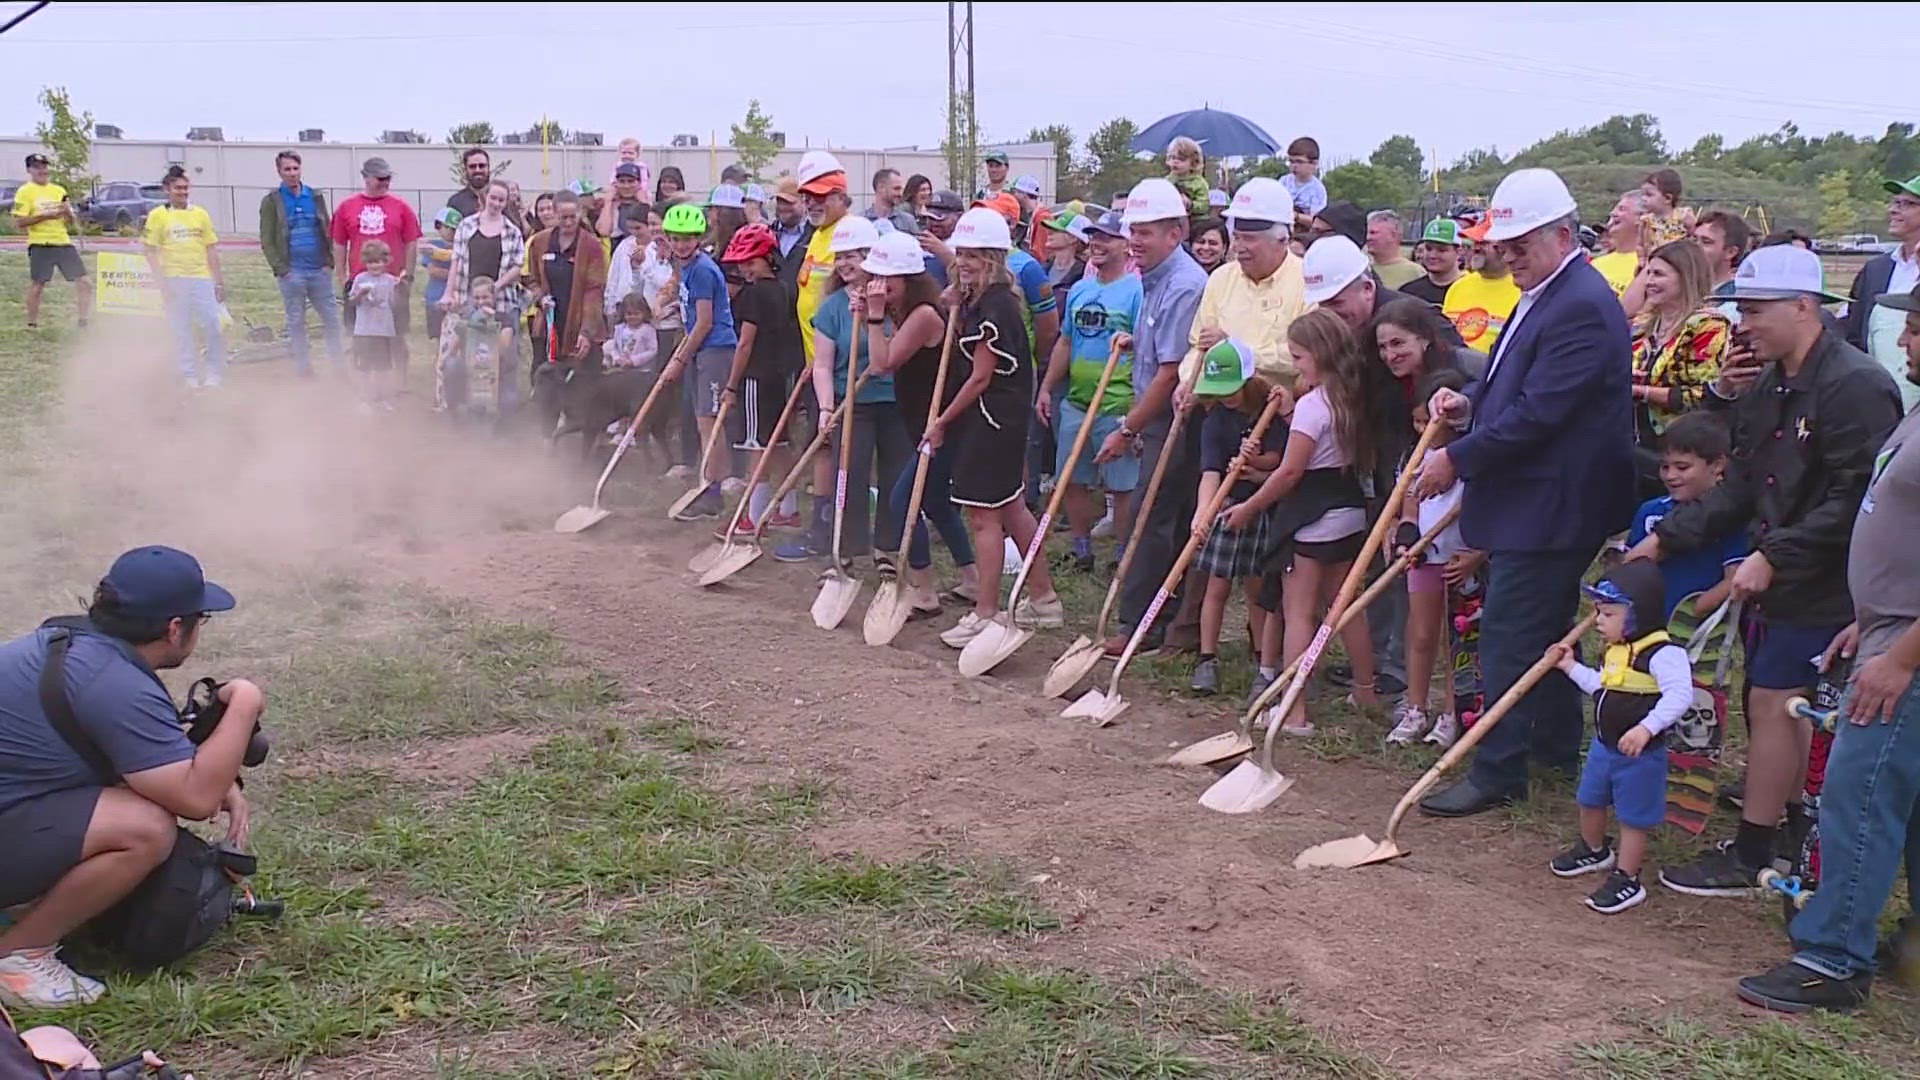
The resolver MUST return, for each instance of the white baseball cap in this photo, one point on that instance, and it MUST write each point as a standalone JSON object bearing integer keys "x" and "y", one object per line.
{"x": 727, "y": 195}
{"x": 854, "y": 233}
{"x": 1027, "y": 185}
{"x": 1218, "y": 198}
{"x": 1330, "y": 265}
{"x": 1153, "y": 199}
{"x": 1781, "y": 272}
{"x": 1526, "y": 200}
{"x": 894, "y": 255}
{"x": 982, "y": 227}
{"x": 1262, "y": 199}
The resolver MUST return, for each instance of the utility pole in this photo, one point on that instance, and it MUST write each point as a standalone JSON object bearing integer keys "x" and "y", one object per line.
{"x": 963, "y": 129}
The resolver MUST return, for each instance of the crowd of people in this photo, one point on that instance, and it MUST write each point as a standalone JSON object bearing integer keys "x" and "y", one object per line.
{"x": 1667, "y": 394}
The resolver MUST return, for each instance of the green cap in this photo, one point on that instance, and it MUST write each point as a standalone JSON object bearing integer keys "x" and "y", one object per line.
{"x": 1227, "y": 367}
{"x": 1443, "y": 231}
{"x": 1910, "y": 187}
{"x": 447, "y": 216}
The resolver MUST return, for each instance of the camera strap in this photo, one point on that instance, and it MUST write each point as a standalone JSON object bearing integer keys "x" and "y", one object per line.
{"x": 59, "y": 710}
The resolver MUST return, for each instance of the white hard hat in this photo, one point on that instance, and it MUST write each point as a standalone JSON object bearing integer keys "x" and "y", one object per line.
{"x": 1330, "y": 265}
{"x": 854, "y": 233}
{"x": 1262, "y": 199}
{"x": 982, "y": 227}
{"x": 1526, "y": 200}
{"x": 815, "y": 164}
{"x": 894, "y": 255}
{"x": 1153, "y": 199}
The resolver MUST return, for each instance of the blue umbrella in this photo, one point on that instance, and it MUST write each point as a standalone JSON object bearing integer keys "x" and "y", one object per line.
{"x": 1220, "y": 134}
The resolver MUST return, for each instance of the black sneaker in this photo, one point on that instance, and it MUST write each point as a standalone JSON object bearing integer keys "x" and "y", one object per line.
{"x": 1619, "y": 892}
{"x": 1719, "y": 872}
{"x": 1581, "y": 859}
{"x": 1206, "y": 676}
{"x": 1083, "y": 563}
{"x": 1340, "y": 675}
{"x": 1735, "y": 794}
{"x": 1793, "y": 988}
{"x": 706, "y": 506}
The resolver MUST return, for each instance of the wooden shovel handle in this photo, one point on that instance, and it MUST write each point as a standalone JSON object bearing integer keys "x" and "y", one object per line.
{"x": 626, "y": 440}
{"x": 792, "y": 479}
{"x": 766, "y": 452}
{"x": 1060, "y": 481}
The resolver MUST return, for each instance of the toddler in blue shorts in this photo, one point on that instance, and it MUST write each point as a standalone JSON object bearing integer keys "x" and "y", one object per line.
{"x": 1643, "y": 687}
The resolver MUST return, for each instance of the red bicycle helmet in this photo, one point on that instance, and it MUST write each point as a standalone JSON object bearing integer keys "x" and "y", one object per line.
{"x": 750, "y": 242}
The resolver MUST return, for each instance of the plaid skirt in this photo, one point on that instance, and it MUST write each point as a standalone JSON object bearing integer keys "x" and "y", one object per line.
{"x": 1229, "y": 554}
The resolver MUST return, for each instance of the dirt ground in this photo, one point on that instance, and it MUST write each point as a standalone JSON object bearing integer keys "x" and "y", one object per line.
{"x": 1466, "y": 955}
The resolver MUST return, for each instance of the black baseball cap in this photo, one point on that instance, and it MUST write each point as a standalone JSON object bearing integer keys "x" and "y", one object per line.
{"x": 1106, "y": 222}
{"x": 37, "y": 159}
{"x": 626, "y": 170}
{"x": 946, "y": 202}
{"x": 164, "y": 583}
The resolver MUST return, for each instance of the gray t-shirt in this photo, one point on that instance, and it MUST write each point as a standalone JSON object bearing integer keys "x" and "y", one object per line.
{"x": 1886, "y": 591}
{"x": 1170, "y": 298}
{"x": 117, "y": 702}
{"x": 373, "y": 312}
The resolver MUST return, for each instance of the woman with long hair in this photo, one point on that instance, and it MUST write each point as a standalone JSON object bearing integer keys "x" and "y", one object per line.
{"x": 488, "y": 245}
{"x": 907, "y": 345}
{"x": 988, "y": 418}
{"x": 918, "y": 193}
{"x": 1679, "y": 341}
{"x": 1210, "y": 243}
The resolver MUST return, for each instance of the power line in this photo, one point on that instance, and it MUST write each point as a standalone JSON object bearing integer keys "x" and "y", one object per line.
{"x": 520, "y": 34}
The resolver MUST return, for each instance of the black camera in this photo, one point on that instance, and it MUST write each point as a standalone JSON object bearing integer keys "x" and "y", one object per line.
{"x": 202, "y": 713}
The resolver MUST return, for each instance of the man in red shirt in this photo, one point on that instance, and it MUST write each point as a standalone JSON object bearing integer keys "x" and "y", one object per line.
{"x": 377, "y": 214}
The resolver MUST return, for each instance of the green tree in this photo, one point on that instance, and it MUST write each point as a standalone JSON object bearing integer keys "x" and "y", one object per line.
{"x": 69, "y": 139}
{"x": 555, "y": 134}
{"x": 752, "y": 138}
{"x": 962, "y": 145}
{"x": 1400, "y": 156}
{"x": 1368, "y": 186}
{"x": 473, "y": 133}
{"x": 1481, "y": 160}
{"x": 1897, "y": 154}
{"x": 1061, "y": 136}
{"x": 1112, "y": 166}
{"x": 1836, "y": 204}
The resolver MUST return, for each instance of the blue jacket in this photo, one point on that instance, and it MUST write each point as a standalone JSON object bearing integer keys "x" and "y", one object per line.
{"x": 1549, "y": 460}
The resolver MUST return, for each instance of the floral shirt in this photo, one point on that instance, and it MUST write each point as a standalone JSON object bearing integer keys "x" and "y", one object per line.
{"x": 1685, "y": 363}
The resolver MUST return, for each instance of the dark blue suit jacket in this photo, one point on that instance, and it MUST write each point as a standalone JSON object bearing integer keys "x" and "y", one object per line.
{"x": 1549, "y": 460}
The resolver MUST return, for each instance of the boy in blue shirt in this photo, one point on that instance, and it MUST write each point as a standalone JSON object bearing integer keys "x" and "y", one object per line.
{"x": 706, "y": 352}
{"x": 436, "y": 258}
{"x": 1693, "y": 460}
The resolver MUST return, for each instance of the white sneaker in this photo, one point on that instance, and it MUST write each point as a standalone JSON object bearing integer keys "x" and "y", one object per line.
{"x": 1010, "y": 561}
{"x": 969, "y": 627}
{"x": 732, "y": 485}
{"x": 679, "y": 472}
{"x": 36, "y": 979}
{"x": 1409, "y": 724}
{"x": 1446, "y": 730}
{"x": 1037, "y": 614}
{"x": 1103, "y": 529}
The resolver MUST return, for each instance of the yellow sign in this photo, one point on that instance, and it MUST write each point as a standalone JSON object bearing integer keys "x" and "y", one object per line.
{"x": 126, "y": 285}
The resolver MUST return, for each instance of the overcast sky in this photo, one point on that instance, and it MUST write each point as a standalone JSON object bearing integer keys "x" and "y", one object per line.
{"x": 1455, "y": 76}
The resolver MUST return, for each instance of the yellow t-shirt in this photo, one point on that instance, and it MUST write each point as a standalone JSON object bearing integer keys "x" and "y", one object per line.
{"x": 816, "y": 275}
{"x": 1480, "y": 307}
{"x": 182, "y": 238}
{"x": 1618, "y": 267}
{"x": 42, "y": 199}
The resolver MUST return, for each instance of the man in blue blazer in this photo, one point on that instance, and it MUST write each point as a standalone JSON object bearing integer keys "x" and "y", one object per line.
{"x": 1874, "y": 327}
{"x": 1548, "y": 464}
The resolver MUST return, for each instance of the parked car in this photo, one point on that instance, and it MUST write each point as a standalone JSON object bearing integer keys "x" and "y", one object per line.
{"x": 122, "y": 204}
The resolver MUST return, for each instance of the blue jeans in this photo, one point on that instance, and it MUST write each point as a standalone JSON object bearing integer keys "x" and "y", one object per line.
{"x": 1532, "y": 597}
{"x": 190, "y": 302}
{"x": 935, "y": 506}
{"x": 1869, "y": 815}
{"x": 299, "y": 288}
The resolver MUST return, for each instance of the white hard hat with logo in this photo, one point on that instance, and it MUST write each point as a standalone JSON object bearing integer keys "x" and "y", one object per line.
{"x": 1153, "y": 199}
{"x": 815, "y": 164}
{"x": 1262, "y": 199}
{"x": 981, "y": 227}
{"x": 854, "y": 233}
{"x": 1526, "y": 200}
{"x": 896, "y": 254}
{"x": 1330, "y": 265}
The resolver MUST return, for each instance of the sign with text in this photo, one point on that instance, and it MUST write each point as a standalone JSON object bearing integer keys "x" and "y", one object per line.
{"x": 126, "y": 285}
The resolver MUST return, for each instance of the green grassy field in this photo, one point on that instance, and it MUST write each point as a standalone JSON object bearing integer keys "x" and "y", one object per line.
{"x": 499, "y": 862}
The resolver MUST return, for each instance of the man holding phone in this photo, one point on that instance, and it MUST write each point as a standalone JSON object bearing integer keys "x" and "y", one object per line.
{"x": 42, "y": 208}
{"x": 1807, "y": 413}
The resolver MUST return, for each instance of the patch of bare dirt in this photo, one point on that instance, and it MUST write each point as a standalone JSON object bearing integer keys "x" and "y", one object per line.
{"x": 441, "y": 761}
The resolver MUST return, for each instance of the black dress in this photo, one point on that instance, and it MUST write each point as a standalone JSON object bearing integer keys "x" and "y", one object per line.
{"x": 989, "y": 468}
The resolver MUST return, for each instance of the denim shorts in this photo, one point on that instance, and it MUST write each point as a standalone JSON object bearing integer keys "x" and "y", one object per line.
{"x": 1122, "y": 474}
{"x": 1636, "y": 787}
{"x": 1781, "y": 655}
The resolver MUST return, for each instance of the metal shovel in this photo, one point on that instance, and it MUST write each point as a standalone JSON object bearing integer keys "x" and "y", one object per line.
{"x": 1003, "y": 636}
{"x": 1248, "y": 786}
{"x": 1104, "y": 708}
{"x": 1361, "y": 850}
{"x": 888, "y": 612}
{"x": 1240, "y": 740}
{"x": 700, "y": 484}
{"x": 705, "y": 560}
{"x": 581, "y": 518}
{"x": 1086, "y": 652}
{"x": 839, "y": 589}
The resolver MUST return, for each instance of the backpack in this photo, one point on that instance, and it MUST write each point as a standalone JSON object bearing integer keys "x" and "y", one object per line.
{"x": 188, "y": 898}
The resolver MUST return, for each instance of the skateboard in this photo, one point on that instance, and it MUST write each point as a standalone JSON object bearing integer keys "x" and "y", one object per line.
{"x": 1797, "y": 884}
{"x": 1463, "y": 621}
{"x": 1694, "y": 743}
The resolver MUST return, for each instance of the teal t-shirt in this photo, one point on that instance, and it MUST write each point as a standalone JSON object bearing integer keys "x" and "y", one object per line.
{"x": 835, "y": 319}
{"x": 1096, "y": 311}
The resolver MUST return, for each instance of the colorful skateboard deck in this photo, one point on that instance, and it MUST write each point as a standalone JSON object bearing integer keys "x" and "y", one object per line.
{"x": 1694, "y": 743}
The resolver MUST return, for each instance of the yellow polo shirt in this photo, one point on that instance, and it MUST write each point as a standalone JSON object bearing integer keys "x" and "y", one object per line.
{"x": 1480, "y": 307}
{"x": 1256, "y": 312}
{"x": 1619, "y": 268}
{"x": 816, "y": 275}
{"x": 35, "y": 198}
{"x": 182, "y": 237}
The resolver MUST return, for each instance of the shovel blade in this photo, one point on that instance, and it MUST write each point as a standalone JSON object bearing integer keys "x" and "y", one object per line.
{"x": 709, "y": 557}
{"x": 1245, "y": 789}
{"x": 1347, "y": 853}
{"x": 1098, "y": 706}
{"x": 580, "y": 519}
{"x": 994, "y": 644}
{"x": 1073, "y": 665}
{"x": 885, "y": 615}
{"x": 835, "y": 599}
{"x": 680, "y": 504}
{"x": 731, "y": 563}
{"x": 1212, "y": 748}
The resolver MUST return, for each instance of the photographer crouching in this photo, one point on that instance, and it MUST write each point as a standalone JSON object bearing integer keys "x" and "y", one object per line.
{"x": 96, "y": 764}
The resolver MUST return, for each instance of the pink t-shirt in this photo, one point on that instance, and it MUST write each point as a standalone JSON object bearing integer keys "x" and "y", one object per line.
{"x": 1313, "y": 417}
{"x": 359, "y": 219}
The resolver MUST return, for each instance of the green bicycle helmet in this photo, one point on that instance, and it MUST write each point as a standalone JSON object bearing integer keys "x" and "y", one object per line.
{"x": 685, "y": 219}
